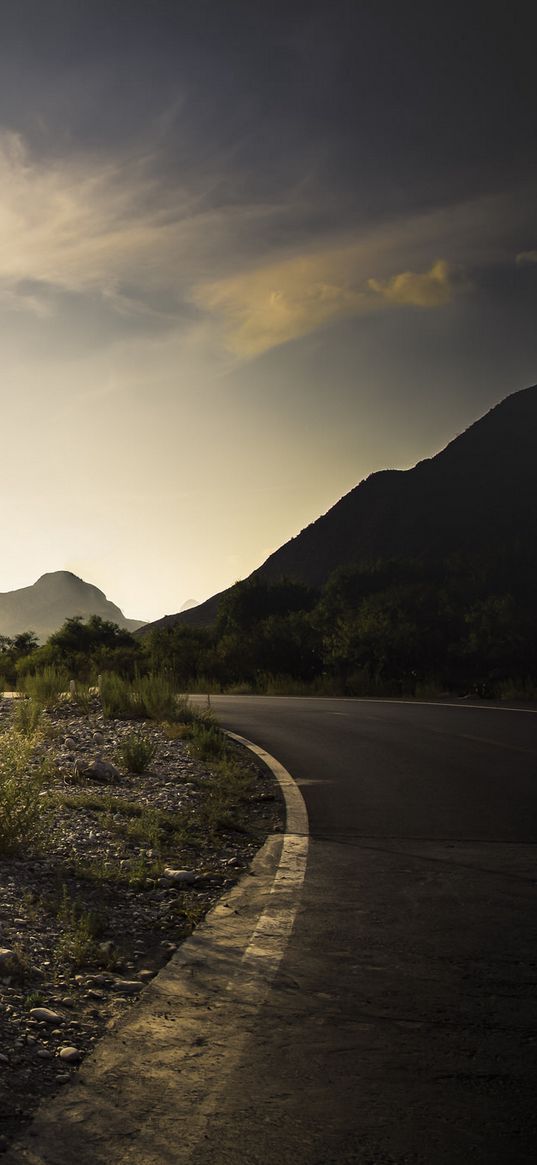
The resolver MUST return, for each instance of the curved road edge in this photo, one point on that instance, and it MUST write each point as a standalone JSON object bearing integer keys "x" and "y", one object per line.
{"x": 151, "y": 1085}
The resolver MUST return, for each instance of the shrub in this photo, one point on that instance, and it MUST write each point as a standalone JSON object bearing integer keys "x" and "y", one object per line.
{"x": 27, "y": 716}
{"x": 46, "y": 686}
{"x": 22, "y": 816}
{"x": 150, "y": 697}
{"x": 208, "y": 742}
{"x": 157, "y": 697}
{"x": 136, "y": 752}
{"x": 118, "y": 698}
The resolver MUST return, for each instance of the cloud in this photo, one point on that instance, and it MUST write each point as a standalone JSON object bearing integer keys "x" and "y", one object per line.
{"x": 526, "y": 257}
{"x": 428, "y": 289}
{"x": 272, "y": 304}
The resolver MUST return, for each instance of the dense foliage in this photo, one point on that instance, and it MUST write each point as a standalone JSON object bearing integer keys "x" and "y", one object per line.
{"x": 398, "y": 626}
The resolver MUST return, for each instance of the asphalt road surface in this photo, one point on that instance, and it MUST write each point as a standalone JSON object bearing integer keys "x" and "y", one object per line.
{"x": 402, "y": 1025}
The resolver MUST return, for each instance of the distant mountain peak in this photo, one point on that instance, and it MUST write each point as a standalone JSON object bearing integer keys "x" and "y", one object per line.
{"x": 56, "y": 596}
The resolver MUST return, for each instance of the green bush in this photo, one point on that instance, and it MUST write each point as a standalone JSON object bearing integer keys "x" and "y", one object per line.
{"x": 118, "y": 698}
{"x": 150, "y": 697}
{"x": 46, "y": 686}
{"x": 136, "y": 752}
{"x": 22, "y": 815}
{"x": 157, "y": 696}
{"x": 208, "y": 742}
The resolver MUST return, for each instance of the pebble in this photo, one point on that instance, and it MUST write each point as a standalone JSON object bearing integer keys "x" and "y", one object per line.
{"x": 131, "y": 917}
{"x": 70, "y": 1055}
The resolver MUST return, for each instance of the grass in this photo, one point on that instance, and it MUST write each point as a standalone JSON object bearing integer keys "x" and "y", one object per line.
{"x": 81, "y": 929}
{"x": 136, "y": 752}
{"x": 27, "y": 717}
{"x": 150, "y": 697}
{"x": 23, "y": 815}
{"x": 47, "y": 686}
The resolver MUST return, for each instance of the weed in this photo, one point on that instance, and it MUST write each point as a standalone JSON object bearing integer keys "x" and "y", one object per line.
{"x": 84, "y": 697}
{"x": 158, "y": 697}
{"x": 208, "y": 742}
{"x": 27, "y": 716}
{"x": 136, "y": 752}
{"x": 33, "y": 999}
{"x": 118, "y": 698}
{"x": 80, "y": 930}
{"x": 47, "y": 686}
{"x": 22, "y": 813}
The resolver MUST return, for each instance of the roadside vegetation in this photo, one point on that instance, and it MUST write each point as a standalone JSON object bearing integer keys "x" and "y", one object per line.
{"x": 401, "y": 627}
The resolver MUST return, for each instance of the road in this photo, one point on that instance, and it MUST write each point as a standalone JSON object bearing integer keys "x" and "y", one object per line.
{"x": 402, "y": 1025}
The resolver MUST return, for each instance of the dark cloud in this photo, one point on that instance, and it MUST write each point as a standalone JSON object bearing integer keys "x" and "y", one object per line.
{"x": 378, "y": 105}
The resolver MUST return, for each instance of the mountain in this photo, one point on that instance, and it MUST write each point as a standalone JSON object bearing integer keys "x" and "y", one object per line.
{"x": 476, "y": 498}
{"x": 56, "y": 596}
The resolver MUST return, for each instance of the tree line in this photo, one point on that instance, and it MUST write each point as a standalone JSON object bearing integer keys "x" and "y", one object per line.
{"x": 391, "y": 626}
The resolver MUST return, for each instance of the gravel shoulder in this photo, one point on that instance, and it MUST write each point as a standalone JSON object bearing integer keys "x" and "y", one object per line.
{"x": 127, "y": 865}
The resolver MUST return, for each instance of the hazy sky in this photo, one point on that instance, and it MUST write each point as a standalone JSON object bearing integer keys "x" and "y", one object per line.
{"x": 249, "y": 253}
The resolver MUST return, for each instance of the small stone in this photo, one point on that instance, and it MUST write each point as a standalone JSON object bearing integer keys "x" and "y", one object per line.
{"x": 46, "y": 1015}
{"x": 62, "y": 1078}
{"x": 178, "y": 877}
{"x": 70, "y": 1055}
{"x": 44, "y": 1054}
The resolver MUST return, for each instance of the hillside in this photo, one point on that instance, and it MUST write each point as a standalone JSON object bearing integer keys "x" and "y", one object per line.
{"x": 477, "y": 497}
{"x": 56, "y": 596}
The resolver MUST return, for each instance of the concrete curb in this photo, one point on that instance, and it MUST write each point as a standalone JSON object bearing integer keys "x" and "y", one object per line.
{"x": 144, "y": 1096}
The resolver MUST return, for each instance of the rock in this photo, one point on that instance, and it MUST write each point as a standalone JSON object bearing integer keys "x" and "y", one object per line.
{"x": 44, "y": 1054}
{"x": 71, "y": 1055}
{"x": 46, "y": 1015}
{"x": 127, "y": 986}
{"x": 101, "y": 771}
{"x": 179, "y": 877}
{"x": 98, "y": 738}
{"x": 9, "y": 962}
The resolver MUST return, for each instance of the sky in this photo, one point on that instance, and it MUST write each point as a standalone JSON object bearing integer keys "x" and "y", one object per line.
{"x": 249, "y": 254}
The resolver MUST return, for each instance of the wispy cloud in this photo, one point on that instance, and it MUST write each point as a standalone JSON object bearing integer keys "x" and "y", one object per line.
{"x": 272, "y": 304}
{"x": 150, "y": 247}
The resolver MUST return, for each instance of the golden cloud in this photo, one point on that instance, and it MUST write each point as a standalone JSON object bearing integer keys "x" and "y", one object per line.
{"x": 266, "y": 307}
{"x": 271, "y": 305}
{"x": 429, "y": 289}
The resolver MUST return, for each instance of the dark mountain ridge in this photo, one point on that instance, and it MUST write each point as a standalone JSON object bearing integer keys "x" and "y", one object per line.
{"x": 51, "y": 600}
{"x": 475, "y": 498}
